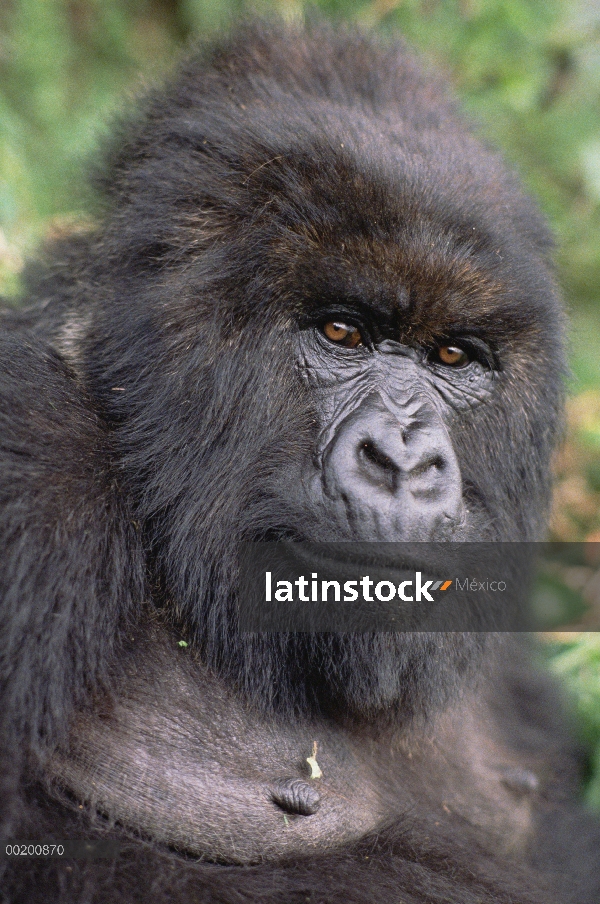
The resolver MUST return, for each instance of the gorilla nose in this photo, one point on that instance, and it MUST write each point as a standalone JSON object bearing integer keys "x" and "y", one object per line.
{"x": 394, "y": 458}
{"x": 398, "y": 475}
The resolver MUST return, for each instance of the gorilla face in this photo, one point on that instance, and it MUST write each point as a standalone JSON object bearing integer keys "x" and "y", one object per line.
{"x": 385, "y": 467}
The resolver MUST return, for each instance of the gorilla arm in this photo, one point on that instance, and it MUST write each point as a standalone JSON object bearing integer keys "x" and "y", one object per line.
{"x": 71, "y": 560}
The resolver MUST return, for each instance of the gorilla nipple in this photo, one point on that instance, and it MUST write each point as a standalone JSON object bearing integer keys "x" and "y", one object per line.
{"x": 296, "y": 796}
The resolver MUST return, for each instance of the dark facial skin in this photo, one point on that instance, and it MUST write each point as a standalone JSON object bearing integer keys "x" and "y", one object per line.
{"x": 384, "y": 458}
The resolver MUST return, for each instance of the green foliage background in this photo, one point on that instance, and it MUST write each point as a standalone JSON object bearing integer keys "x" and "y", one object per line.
{"x": 528, "y": 71}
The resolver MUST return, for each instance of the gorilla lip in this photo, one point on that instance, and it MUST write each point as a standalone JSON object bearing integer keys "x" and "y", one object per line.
{"x": 363, "y": 555}
{"x": 433, "y": 586}
{"x": 341, "y": 557}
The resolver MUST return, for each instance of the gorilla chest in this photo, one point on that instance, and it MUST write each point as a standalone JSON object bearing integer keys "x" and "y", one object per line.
{"x": 178, "y": 758}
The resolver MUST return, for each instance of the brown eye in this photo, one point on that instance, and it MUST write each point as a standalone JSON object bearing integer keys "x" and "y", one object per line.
{"x": 452, "y": 356}
{"x": 342, "y": 334}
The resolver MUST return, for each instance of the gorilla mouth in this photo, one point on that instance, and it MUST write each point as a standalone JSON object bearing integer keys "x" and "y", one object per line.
{"x": 399, "y": 559}
{"x": 392, "y": 562}
{"x": 394, "y": 588}
{"x": 336, "y": 588}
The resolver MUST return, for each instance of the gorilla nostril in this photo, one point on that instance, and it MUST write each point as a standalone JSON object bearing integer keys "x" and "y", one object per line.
{"x": 432, "y": 463}
{"x": 369, "y": 452}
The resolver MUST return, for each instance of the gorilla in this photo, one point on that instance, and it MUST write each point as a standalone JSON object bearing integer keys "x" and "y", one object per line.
{"x": 313, "y": 306}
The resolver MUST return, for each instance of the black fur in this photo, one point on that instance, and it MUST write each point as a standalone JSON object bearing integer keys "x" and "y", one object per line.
{"x": 156, "y": 408}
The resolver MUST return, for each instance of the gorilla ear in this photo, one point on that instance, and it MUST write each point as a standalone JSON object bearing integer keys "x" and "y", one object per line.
{"x": 76, "y": 567}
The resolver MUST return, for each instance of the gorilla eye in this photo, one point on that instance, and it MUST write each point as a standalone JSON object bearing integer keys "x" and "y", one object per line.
{"x": 451, "y": 356}
{"x": 342, "y": 333}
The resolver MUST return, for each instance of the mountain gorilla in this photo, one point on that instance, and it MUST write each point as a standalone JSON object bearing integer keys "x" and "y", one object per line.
{"x": 313, "y": 306}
